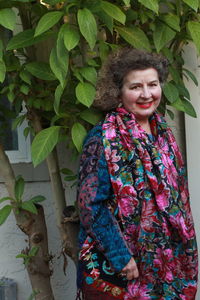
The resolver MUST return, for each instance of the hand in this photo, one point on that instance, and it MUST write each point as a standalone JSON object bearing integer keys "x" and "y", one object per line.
{"x": 130, "y": 270}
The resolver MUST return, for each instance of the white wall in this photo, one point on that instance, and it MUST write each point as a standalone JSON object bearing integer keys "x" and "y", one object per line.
{"x": 13, "y": 241}
{"x": 192, "y": 126}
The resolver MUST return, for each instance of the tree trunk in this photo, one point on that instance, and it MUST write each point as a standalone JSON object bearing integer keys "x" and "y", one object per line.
{"x": 66, "y": 216}
{"x": 34, "y": 227}
{"x": 38, "y": 267}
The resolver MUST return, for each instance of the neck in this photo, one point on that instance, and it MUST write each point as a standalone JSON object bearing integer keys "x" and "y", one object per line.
{"x": 145, "y": 126}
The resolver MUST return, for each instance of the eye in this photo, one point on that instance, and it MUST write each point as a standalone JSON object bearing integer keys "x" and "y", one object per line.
{"x": 154, "y": 84}
{"x": 134, "y": 87}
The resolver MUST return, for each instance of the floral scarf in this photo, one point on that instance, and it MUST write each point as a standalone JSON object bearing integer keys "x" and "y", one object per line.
{"x": 149, "y": 183}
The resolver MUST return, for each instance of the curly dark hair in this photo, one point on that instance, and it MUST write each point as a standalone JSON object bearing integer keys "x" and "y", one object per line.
{"x": 117, "y": 66}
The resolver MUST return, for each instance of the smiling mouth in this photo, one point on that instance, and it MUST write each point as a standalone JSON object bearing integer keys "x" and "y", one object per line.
{"x": 145, "y": 105}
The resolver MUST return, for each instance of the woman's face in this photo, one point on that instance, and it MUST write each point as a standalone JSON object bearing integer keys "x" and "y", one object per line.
{"x": 141, "y": 93}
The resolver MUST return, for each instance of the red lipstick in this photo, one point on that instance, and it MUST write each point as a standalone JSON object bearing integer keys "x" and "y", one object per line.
{"x": 145, "y": 105}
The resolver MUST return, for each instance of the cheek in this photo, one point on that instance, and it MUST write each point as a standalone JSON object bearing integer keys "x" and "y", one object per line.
{"x": 158, "y": 94}
{"x": 129, "y": 97}
{"x": 157, "y": 98}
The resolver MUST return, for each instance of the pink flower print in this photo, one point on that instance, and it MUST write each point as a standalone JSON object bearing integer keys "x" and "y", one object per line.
{"x": 131, "y": 237}
{"x": 184, "y": 195}
{"x": 169, "y": 170}
{"x": 110, "y": 131}
{"x": 137, "y": 291}
{"x": 165, "y": 264}
{"x": 128, "y": 201}
{"x": 165, "y": 229}
{"x": 117, "y": 185}
{"x": 162, "y": 197}
{"x": 184, "y": 226}
{"x": 186, "y": 265}
{"x": 146, "y": 161}
{"x": 148, "y": 216}
{"x": 187, "y": 230}
{"x": 112, "y": 158}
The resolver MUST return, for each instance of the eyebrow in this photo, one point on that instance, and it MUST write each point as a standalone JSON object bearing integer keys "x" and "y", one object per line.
{"x": 135, "y": 83}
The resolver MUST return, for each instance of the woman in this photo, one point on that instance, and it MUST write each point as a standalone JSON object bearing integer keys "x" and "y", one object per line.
{"x": 137, "y": 238}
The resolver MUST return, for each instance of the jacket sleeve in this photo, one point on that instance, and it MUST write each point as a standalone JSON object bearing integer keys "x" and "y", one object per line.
{"x": 93, "y": 192}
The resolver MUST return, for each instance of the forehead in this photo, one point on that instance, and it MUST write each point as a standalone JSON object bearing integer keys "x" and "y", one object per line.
{"x": 149, "y": 74}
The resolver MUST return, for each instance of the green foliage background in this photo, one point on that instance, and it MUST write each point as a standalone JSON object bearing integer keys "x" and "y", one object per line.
{"x": 51, "y": 64}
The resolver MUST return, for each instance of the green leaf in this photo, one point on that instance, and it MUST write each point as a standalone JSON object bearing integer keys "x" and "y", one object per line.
{"x": 53, "y": 2}
{"x": 18, "y": 121}
{"x": 185, "y": 106}
{"x": 183, "y": 91}
{"x": 143, "y": 17}
{"x": 135, "y": 37}
{"x": 172, "y": 20}
{"x": 26, "y": 132}
{"x": 191, "y": 75}
{"x": 37, "y": 199}
{"x": 33, "y": 251}
{"x": 77, "y": 75}
{"x": 25, "y": 76}
{"x": 132, "y": 15}
{"x": 168, "y": 54}
{"x": 113, "y": 11}
{"x": 7, "y": 18}
{"x": 127, "y": 2}
{"x": 22, "y": 255}
{"x": 106, "y": 19}
{"x": 19, "y": 188}
{"x": 40, "y": 70}
{"x": 11, "y": 96}
{"x": 5, "y": 199}
{"x": 2, "y": 71}
{"x": 88, "y": 26}
{"x": 92, "y": 62}
{"x": 78, "y": 134}
{"x": 162, "y": 35}
{"x": 26, "y": 38}
{"x": 170, "y": 92}
{"x": 85, "y": 93}
{"x": 29, "y": 206}
{"x": 175, "y": 74}
{"x": 62, "y": 53}
{"x": 1, "y": 49}
{"x": 24, "y": 89}
{"x": 47, "y": 21}
{"x": 35, "y": 292}
{"x": 67, "y": 171}
{"x": 55, "y": 67}
{"x": 150, "y": 4}
{"x": 43, "y": 144}
{"x": 194, "y": 30}
{"x": 194, "y": 4}
{"x": 71, "y": 37}
{"x": 4, "y": 213}
{"x": 89, "y": 73}
{"x": 24, "y": 1}
{"x": 91, "y": 116}
{"x": 58, "y": 93}
{"x": 171, "y": 114}
{"x": 70, "y": 178}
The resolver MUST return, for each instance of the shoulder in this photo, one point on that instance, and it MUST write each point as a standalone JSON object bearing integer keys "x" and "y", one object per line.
{"x": 94, "y": 135}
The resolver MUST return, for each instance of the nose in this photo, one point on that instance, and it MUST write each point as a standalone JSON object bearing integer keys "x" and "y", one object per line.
{"x": 146, "y": 93}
